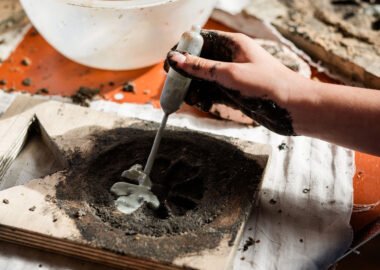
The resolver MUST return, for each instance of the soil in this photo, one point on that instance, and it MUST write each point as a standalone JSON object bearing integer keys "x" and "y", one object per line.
{"x": 129, "y": 87}
{"x": 205, "y": 185}
{"x": 83, "y": 95}
{"x": 248, "y": 243}
{"x": 26, "y": 61}
{"x": 42, "y": 91}
{"x": 282, "y": 147}
{"x": 27, "y": 82}
{"x": 272, "y": 201}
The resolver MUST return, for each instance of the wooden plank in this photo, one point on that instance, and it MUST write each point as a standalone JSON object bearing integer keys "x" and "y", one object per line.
{"x": 72, "y": 249}
{"x": 30, "y": 215}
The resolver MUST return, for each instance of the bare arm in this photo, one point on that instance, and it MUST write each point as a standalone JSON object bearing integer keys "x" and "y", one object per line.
{"x": 343, "y": 115}
{"x": 234, "y": 70}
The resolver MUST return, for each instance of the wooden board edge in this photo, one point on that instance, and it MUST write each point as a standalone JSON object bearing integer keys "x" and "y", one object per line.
{"x": 80, "y": 251}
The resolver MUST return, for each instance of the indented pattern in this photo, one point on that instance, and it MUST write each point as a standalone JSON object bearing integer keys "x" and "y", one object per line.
{"x": 179, "y": 187}
{"x": 196, "y": 178}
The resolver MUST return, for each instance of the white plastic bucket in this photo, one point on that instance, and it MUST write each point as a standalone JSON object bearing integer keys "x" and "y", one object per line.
{"x": 116, "y": 35}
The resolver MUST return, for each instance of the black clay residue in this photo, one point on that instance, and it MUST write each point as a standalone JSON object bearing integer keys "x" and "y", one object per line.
{"x": 84, "y": 95}
{"x": 198, "y": 179}
{"x": 265, "y": 111}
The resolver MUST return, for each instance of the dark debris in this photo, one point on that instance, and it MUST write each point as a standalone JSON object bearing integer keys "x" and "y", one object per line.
{"x": 26, "y": 61}
{"x": 84, "y": 95}
{"x": 248, "y": 243}
{"x": 129, "y": 87}
{"x": 306, "y": 190}
{"x": 27, "y": 82}
{"x": 42, "y": 91}
{"x": 282, "y": 147}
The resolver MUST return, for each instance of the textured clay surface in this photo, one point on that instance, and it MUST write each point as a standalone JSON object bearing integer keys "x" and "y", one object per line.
{"x": 205, "y": 185}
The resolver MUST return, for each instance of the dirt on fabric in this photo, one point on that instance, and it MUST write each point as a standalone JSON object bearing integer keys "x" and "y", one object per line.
{"x": 205, "y": 185}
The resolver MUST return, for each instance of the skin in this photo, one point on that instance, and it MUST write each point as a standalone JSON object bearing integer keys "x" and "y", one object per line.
{"x": 235, "y": 71}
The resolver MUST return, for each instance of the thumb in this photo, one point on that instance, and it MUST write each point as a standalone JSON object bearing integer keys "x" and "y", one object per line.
{"x": 196, "y": 67}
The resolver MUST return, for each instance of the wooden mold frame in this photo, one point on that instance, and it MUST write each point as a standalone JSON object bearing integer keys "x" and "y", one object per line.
{"x": 36, "y": 228}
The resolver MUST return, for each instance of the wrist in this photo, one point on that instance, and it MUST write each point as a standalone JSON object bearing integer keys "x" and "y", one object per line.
{"x": 302, "y": 101}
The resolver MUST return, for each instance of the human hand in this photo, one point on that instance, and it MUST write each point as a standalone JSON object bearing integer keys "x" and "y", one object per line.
{"x": 235, "y": 71}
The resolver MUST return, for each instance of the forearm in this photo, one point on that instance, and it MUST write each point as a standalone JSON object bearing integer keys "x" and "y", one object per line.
{"x": 343, "y": 115}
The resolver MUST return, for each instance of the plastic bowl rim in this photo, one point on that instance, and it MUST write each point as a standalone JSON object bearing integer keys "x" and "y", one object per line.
{"x": 119, "y": 4}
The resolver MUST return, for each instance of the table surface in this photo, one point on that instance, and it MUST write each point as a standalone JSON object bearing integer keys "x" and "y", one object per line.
{"x": 61, "y": 76}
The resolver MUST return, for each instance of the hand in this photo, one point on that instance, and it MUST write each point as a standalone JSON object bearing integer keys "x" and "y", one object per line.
{"x": 235, "y": 71}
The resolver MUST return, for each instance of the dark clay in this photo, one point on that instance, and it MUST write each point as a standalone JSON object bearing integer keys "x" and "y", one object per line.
{"x": 27, "y": 82}
{"x": 248, "y": 243}
{"x": 129, "y": 87}
{"x": 83, "y": 95}
{"x": 216, "y": 47}
{"x": 198, "y": 179}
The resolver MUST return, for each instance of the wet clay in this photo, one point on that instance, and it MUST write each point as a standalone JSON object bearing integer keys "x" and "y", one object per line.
{"x": 205, "y": 187}
{"x": 216, "y": 47}
{"x": 264, "y": 111}
{"x": 219, "y": 47}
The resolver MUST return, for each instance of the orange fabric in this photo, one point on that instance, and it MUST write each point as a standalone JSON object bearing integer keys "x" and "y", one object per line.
{"x": 366, "y": 188}
{"x": 51, "y": 70}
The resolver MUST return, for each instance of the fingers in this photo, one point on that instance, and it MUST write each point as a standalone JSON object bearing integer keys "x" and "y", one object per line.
{"x": 198, "y": 68}
{"x": 166, "y": 64}
{"x": 223, "y": 47}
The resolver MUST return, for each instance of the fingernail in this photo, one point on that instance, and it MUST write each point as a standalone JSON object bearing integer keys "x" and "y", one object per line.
{"x": 177, "y": 57}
